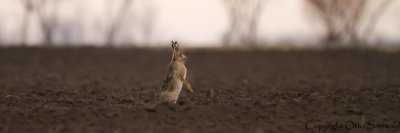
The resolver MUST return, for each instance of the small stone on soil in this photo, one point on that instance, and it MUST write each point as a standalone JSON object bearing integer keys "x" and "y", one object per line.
{"x": 150, "y": 107}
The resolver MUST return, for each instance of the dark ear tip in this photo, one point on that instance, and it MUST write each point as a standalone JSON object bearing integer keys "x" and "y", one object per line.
{"x": 174, "y": 44}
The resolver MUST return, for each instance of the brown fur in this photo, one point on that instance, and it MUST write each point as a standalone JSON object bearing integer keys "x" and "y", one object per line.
{"x": 176, "y": 77}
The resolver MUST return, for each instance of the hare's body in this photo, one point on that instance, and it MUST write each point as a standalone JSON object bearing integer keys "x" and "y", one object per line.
{"x": 174, "y": 82}
{"x": 176, "y": 77}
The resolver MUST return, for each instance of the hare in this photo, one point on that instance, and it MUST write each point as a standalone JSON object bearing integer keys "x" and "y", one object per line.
{"x": 176, "y": 77}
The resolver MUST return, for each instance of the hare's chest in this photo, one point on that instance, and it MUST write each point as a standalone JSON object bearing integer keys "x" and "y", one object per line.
{"x": 184, "y": 72}
{"x": 181, "y": 69}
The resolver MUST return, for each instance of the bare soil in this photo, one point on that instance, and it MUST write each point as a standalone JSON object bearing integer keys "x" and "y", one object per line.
{"x": 107, "y": 90}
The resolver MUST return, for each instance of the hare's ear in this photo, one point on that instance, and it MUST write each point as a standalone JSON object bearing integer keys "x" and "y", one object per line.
{"x": 172, "y": 44}
{"x": 176, "y": 45}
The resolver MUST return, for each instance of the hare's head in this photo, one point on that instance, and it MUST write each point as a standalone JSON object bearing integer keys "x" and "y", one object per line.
{"x": 177, "y": 54}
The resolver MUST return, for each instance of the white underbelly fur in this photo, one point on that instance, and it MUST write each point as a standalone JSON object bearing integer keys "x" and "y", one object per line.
{"x": 179, "y": 86}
